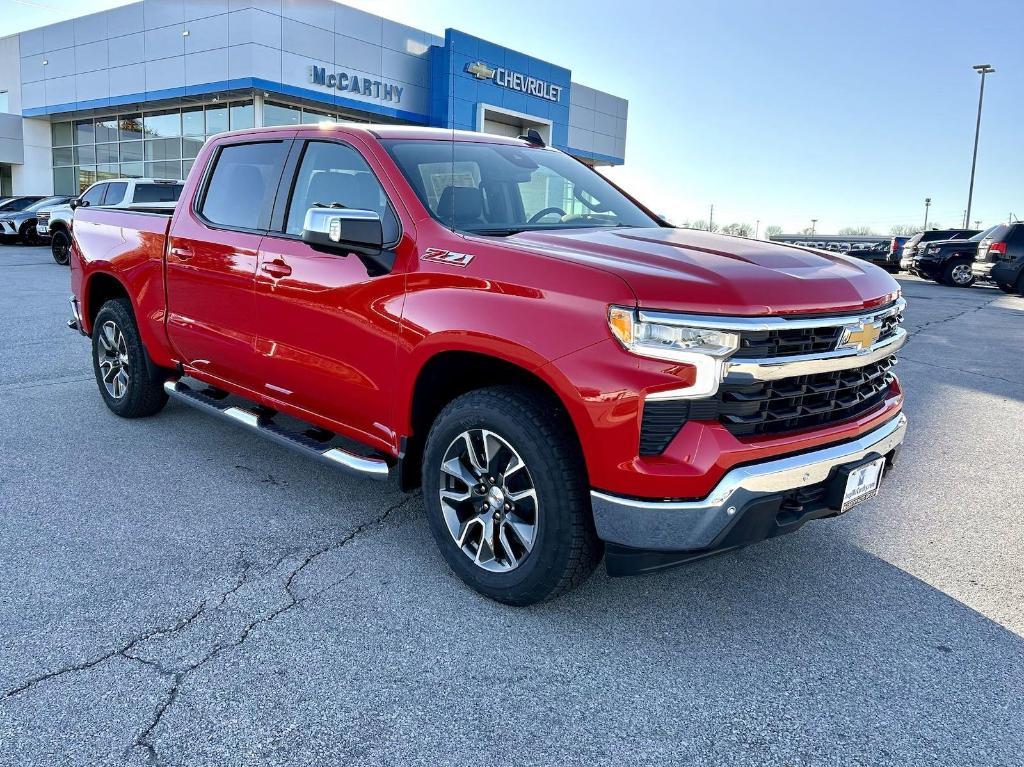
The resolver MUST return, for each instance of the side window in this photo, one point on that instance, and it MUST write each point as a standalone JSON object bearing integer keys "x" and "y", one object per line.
{"x": 115, "y": 193}
{"x": 336, "y": 174}
{"x": 157, "y": 193}
{"x": 94, "y": 194}
{"x": 240, "y": 191}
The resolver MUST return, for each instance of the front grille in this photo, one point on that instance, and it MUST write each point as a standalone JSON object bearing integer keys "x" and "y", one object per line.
{"x": 772, "y": 407}
{"x": 790, "y": 342}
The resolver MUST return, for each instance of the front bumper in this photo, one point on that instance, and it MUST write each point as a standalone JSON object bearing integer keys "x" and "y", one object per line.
{"x": 701, "y": 526}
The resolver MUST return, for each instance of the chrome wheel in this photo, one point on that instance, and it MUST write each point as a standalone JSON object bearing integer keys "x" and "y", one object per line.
{"x": 961, "y": 274}
{"x": 112, "y": 355}
{"x": 489, "y": 500}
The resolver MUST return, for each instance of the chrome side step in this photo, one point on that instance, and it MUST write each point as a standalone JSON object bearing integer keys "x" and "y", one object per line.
{"x": 350, "y": 463}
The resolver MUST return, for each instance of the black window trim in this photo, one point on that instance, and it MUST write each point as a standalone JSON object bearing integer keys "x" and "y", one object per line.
{"x": 286, "y": 190}
{"x": 199, "y": 199}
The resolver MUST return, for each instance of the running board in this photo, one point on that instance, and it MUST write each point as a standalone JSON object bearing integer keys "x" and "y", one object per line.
{"x": 350, "y": 463}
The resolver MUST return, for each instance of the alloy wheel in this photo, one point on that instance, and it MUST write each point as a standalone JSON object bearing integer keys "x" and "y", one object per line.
{"x": 961, "y": 274}
{"x": 112, "y": 355}
{"x": 489, "y": 500}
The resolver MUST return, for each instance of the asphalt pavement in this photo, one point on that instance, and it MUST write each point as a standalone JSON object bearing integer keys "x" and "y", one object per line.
{"x": 176, "y": 592}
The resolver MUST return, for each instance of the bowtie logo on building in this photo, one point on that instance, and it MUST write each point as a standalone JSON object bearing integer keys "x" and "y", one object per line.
{"x": 480, "y": 71}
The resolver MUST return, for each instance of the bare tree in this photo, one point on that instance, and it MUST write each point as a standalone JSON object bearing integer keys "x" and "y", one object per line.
{"x": 740, "y": 230}
{"x": 702, "y": 224}
{"x": 858, "y": 231}
{"x": 772, "y": 231}
{"x": 904, "y": 230}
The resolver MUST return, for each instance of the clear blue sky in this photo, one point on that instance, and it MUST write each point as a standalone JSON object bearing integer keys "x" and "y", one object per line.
{"x": 848, "y": 112}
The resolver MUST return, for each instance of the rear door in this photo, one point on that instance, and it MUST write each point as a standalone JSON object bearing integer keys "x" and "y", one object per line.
{"x": 211, "y": 260}
{"x": 327, "y": 323}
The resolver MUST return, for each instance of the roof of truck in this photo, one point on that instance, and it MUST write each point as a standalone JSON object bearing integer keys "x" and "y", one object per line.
{"x": 388, "y": 132}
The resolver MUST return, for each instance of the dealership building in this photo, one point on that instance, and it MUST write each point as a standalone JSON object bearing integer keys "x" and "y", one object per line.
{"x": 135, "y": 91}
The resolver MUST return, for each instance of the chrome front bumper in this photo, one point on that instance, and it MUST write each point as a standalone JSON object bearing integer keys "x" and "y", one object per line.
{"x": 694, "y": 525}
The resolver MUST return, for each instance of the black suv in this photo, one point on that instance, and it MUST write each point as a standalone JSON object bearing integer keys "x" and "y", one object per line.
{"x": 913, "y": 245}
{"x": 949, "y": 261}
{"x": 1001, "y": 257}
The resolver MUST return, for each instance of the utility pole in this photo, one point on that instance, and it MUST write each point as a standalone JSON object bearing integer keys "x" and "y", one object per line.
{"x": 711, "y": 219}
{"x": 927, "y": 204}
{"x": 814, "y": 223}
{"x": 981, "y": 69}
{"x": 757, "y": 228}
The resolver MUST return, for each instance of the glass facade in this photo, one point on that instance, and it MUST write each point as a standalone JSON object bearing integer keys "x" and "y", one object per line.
{"x": 153, "y": 144}
{"x": 161, "y": 143}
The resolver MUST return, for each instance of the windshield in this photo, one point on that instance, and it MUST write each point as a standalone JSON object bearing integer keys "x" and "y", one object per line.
{"x": 502, "y": 189}
{"x": 45, "y": 202}
{"x": 982, "y": 235}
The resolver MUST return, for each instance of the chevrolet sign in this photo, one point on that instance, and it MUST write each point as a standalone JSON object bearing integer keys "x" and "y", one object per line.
{"x": 363, "y": 86}
{"x": 515, "y": 81}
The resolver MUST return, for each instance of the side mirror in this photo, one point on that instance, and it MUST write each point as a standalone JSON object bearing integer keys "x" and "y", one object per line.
{"x": 75, "y": 203}
{"x": 344, "y": 230}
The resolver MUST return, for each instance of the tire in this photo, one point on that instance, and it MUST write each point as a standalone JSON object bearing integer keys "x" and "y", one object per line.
{"x": 28, "y": 235}
{"x": 563, "y": 548}
{"x": 957, "y": 274}
{"x": 60, "y": 247}
{"x": 1006, "y": 288}
{"x": 130, "y": 384}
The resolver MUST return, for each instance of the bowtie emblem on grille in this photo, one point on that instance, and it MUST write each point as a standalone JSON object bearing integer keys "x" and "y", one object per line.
{"x": 861, "y": 336}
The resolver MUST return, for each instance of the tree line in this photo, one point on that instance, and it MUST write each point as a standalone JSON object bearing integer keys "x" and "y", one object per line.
{"x": 748, "y": 230}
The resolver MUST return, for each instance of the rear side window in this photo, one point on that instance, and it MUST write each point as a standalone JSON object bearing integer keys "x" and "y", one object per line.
{"x": 240, "y": 191}
{"x": 115, "y": 193}
{"x": 1014, "y": 234}
{"x": 94, "y": 195}
{"x": 336, "y": 174}
{"x": 157, "y": 193}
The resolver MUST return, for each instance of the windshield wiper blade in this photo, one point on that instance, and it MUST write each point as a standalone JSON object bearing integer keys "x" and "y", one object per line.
{"x": 501, "y": 231}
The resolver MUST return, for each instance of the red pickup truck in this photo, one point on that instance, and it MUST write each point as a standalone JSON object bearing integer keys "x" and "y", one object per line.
{"x": 565, "y": 375}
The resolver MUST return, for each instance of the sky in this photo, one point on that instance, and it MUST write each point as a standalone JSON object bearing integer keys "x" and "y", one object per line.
{"x": 851, "y": 113}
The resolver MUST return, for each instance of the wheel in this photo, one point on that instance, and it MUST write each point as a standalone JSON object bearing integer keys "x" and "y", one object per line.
{"x": 60, "y": 246}
{"x": 958, "y": 274}
{"x": 507, "y": 498}
{"x": 1006, "y": 288}
{"x": 28, "y": 235}
{"x": 131, "y": 386}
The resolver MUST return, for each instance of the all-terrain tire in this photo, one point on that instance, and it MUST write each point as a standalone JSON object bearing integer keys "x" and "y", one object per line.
{"x": 130, "y": 384}
{"x": 565, "y": 548}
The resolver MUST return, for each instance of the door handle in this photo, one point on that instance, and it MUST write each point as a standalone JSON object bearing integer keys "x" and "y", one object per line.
{"x": 182, "y": 253}
{"x": 276, "y": 268}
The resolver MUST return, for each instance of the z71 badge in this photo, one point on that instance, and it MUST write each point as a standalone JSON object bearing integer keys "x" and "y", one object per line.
{"x": 447, "y": 257}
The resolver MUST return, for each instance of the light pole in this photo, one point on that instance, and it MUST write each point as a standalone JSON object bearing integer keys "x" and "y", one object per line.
{"x": 981, "y": 69}
{"x": 927, "y": 204}
{"x": 814, "y": 223}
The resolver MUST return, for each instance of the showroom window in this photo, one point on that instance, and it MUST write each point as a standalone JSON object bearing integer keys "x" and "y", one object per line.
{"x": 279, "y": 113}
{"x": 159, "y": 143}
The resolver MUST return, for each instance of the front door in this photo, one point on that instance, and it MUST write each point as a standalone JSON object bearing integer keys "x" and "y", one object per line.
{"x": 327, "y": 323}
{"x": 211, "y": 262}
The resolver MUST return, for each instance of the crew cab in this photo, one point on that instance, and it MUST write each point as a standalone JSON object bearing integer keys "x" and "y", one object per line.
{"x": 948, "y": 261}
{"x": 563, "y": 374}
{"x": 916, "y": 244}
{"x": 1000, "y": 257}
{"x": 54, "y": 223}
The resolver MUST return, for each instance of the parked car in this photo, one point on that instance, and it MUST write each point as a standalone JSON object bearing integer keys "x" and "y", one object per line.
{"x": 1000, "y": 258}
{"x": 556, "y": 376}
{"x": 150, "y": 193}
{"x": 20, "y": 226}
{"x": 895, "y": 253}
{"x": 910, "y": 249}
{"x": 18, "y": 203}
{"x": 879, "y": 254}
{"x": 949, "y": 261}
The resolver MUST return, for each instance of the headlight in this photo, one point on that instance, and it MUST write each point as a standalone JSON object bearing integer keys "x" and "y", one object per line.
{"x": 706, "y": 349}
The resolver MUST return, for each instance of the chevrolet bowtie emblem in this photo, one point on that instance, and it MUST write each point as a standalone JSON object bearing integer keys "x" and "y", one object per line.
{"x": 480, "y": 71}
{"x": 862, "y": 336}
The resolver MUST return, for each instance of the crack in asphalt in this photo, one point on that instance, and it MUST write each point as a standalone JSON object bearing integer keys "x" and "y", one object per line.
{"x": 932, "y": 323}
{"x": 131, "y": 649}
{"x": 144, "y": 739}
{"x": 904, "y": 358}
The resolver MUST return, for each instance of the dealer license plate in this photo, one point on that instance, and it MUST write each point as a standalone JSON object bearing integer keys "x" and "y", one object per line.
{"x": 862, "y": 483}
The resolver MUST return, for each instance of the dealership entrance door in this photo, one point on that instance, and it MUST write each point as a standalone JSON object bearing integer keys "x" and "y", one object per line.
{"x": 504, "y": 122}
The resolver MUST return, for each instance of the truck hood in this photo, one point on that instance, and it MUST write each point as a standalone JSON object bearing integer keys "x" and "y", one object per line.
{"x": 695, "y": 271}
